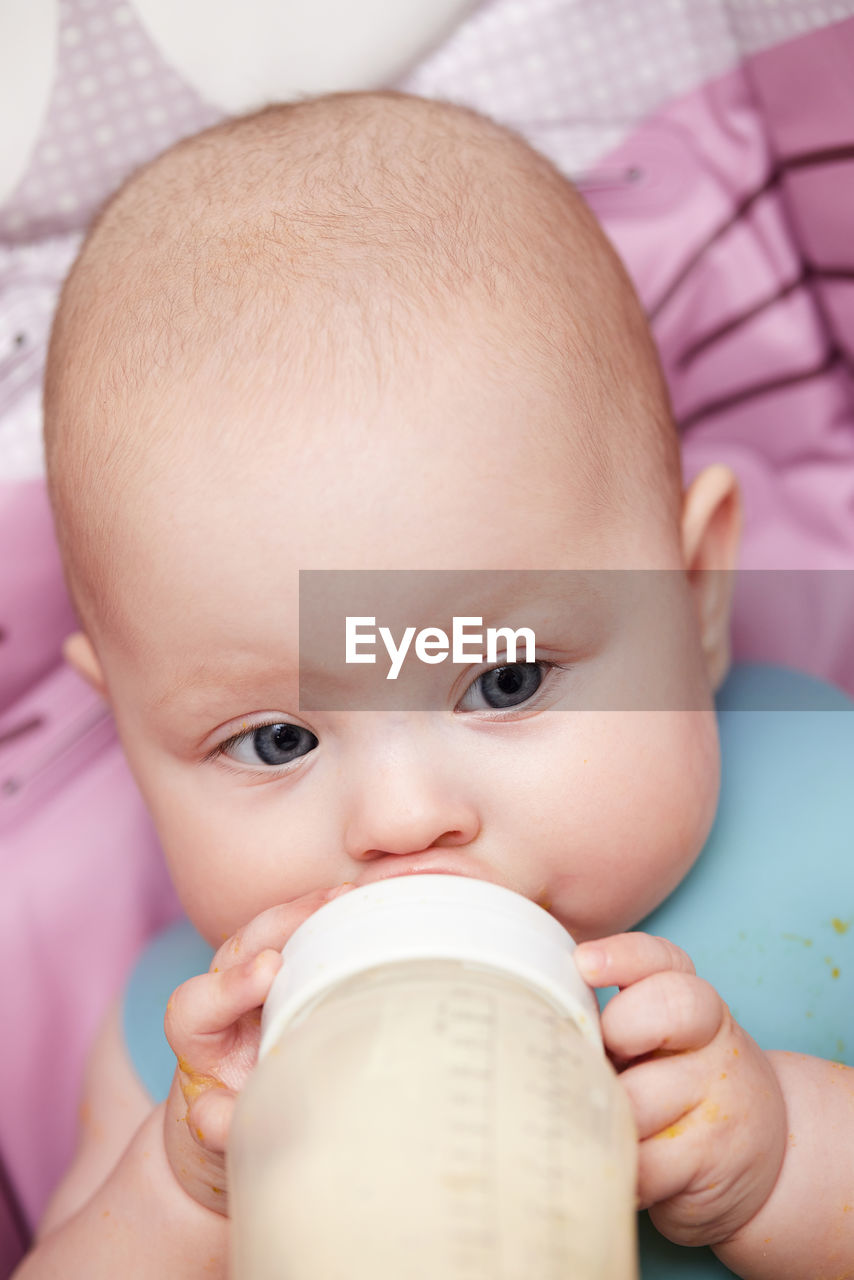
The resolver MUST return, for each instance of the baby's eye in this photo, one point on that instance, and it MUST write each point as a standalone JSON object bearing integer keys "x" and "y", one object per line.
{"x": 269, "y": 744}
{"x": 507, "y": 686}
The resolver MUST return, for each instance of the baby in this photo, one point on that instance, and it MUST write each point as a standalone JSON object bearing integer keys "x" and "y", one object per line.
{"x": 372, "y": 332}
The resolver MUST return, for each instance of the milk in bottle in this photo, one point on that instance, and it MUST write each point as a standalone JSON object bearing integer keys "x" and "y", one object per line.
{"x": 432, "y": 1100}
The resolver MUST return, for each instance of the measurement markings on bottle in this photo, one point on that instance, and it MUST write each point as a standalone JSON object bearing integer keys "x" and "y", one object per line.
{"x": 480, "y": 1129}
{"x": 467, "y": 1016}
{"x": 545, "y": 1055}
{"x": 536, "y": 1179}
{"x": 468, "y": 1042}
{"x": 468, "y": 1165}
{"x": 557, "y": 1089}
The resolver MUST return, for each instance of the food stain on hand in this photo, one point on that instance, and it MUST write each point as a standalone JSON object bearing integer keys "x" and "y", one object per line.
{"x": 195, "y": 1082}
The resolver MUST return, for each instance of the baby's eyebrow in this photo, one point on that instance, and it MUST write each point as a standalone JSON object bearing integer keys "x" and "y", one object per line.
{"x": 247, "y": 682}
{"x": 232, "y": 688}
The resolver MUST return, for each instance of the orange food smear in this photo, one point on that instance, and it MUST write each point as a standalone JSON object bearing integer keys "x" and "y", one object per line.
{"x": 195, "y": 1082}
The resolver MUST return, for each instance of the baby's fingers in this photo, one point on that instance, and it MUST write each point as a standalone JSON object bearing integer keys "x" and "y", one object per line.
{"x": 664, "y": 1090}
{"x": 273, "y": 927}
{"x": 625, "y": 958}
{"x": 209, "y": 1118}
{"x": 668, "y": 1011}
{"x": 202, "y": 1014}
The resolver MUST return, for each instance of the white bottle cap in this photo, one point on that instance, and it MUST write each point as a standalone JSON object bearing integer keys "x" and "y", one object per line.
{"x": 428, "y": 917}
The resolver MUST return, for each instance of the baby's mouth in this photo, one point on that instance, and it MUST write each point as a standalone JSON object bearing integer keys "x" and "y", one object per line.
{"x": 395, "y": 865}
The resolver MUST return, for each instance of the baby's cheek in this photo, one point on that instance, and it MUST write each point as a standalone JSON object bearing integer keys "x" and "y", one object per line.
{"x": 208, "y": 852}
{"x": 651, "y": 798}
{"x": 676, "y": 788}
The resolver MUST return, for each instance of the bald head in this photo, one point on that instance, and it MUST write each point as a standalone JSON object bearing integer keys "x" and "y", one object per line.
{"x": 319, "y": 245}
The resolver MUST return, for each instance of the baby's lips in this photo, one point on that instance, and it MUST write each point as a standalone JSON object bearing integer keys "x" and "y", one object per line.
{"x": 338, "y": 891}
{"x": 307, "y": 903}
{"x": 316, "y": 897}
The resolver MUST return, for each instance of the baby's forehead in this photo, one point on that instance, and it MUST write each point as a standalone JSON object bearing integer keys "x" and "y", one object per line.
{"x": 443, "y": 467}
{"x": 465, "y": 417}
{"x": 452, "y": 334}
{"x": 465, "y": 453}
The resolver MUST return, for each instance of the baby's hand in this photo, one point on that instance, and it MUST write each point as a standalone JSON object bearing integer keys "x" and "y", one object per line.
{"x": 213, "y": 1023}
{"x": 708, "y": 1108}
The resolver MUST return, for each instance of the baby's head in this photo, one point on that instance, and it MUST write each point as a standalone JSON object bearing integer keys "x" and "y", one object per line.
{"x": 372, "y": 332}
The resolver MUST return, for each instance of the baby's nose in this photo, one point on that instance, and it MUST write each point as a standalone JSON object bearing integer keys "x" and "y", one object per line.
{"x": 406, "y": 803}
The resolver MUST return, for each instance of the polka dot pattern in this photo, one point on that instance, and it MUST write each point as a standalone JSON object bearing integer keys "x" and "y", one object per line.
{"x": 115, "y": 104}
{"x": 574, "y": 77}
{"x": 757, "y": 24}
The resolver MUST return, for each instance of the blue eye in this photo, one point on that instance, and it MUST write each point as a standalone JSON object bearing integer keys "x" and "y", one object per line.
{"x": 269, "y": 744}
{"x": 507, "y": 686}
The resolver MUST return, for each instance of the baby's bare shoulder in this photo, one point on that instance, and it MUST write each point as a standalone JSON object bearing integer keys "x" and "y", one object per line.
{"x": 113, "y": 1106}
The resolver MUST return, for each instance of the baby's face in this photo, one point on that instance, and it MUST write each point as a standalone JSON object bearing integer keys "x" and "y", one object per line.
{"x": 595, "y": 813}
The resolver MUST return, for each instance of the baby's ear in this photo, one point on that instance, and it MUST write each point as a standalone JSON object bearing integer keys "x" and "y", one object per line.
{"x": 711, "y": 526}
{"x": 79, "y": 654}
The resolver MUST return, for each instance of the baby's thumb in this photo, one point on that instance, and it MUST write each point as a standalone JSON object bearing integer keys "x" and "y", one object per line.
{"x": 209, "y": 1119}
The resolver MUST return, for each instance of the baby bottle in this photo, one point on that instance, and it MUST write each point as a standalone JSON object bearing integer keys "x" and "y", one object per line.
{"x": 431, "y": 1100}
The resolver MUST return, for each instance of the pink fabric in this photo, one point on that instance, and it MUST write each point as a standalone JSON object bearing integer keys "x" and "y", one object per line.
{"x": 30, "y": 572}
{"x": 83, "y": 876}
{"x": 725, "y": 217}
{"x": 742, "y": 251}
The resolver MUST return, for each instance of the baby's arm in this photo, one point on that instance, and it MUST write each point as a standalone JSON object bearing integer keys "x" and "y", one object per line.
{"x": 146, "y": 1195}
{"x": 751, "y": 1153}
{"x": 806, "y": 1227}
{"x": 119, "y": 1211}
